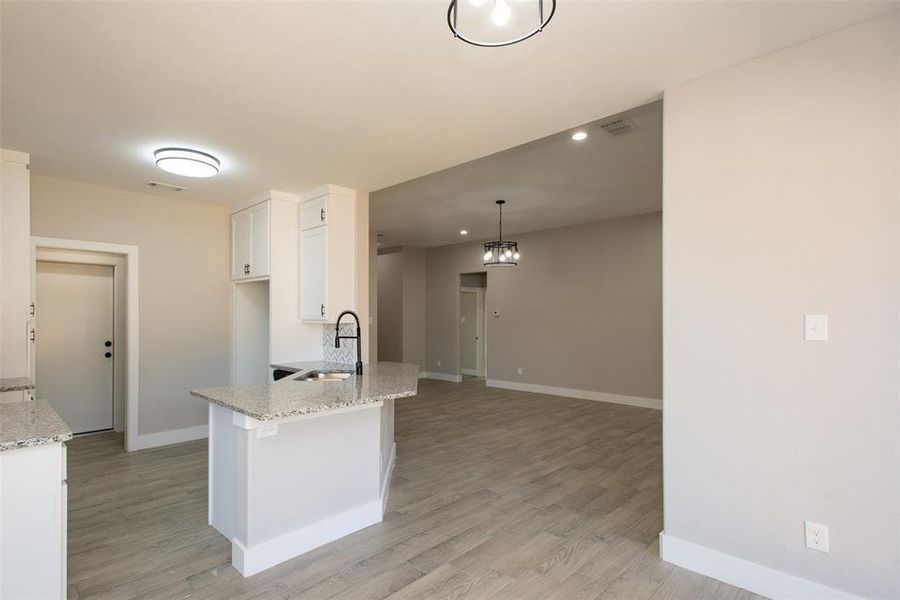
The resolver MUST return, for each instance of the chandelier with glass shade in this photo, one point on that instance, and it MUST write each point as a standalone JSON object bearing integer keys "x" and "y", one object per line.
{"x": 500, "y": 252}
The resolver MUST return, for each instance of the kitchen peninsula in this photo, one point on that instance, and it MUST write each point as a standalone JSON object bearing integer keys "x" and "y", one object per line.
{"x": 303, "y": 461}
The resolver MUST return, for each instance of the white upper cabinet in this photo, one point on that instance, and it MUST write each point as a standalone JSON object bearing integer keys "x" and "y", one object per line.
{"x": 313, "y": 273}
{"x": 327, "y": 278}
{"x": 250, "y": 242}
{"x": 15, "y": 260}
{"x": 314, "y": 213}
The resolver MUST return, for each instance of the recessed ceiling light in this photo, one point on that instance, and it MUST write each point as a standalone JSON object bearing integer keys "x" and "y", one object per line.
{"x": 187, "y": 162}
{"x": 463, "y": 232}
{"x": 579, "y": 135}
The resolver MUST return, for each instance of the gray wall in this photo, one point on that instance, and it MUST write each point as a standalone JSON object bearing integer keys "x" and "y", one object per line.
{"x": 582, "y": 309}
{"x": 185, "y": 290}
{"x": 780, "y": 196}
{"x": 390, "y": 306}
{"x": 414, "y": 261}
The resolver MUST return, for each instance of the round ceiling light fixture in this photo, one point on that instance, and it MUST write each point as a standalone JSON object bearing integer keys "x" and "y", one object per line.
{"x": 186, "y": 162}
{"x": 500, "y": 16}
{"x": 579, "y": 136}
{"x": 463, "y": 232}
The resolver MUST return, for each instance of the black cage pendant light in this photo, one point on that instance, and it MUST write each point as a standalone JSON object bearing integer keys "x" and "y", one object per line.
{"x": 501, "y": 253}
{"x": 494, "y": 23}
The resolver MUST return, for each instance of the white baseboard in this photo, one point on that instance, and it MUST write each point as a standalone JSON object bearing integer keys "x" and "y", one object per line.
{"x": 251, "y": 560}
{"x": 573, "y": 393}
{"x": 166, "y": 438}
{"x": 441, "y": 376}
{"x": 743, "y": 573}
{"x": 386, "y": 478}
{"x": 471, "y": 372}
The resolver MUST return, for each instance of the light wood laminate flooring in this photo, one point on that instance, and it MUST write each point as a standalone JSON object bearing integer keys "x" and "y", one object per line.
{"x": 496, "y": 494}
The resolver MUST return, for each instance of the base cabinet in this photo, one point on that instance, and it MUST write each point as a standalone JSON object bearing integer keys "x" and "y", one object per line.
{"x": 33, "y": 493}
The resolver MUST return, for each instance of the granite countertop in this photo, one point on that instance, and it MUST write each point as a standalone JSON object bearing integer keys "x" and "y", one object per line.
{"x": 30, "y": 423}
{"x": 287, "y": 397}
{"x": 16, "y": 384}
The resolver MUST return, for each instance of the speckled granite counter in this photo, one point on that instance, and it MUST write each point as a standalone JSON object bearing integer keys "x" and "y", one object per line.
{"x": 30, "y": 423}
{"x": 288, "y": 397}
{"x": 16, "y": 384}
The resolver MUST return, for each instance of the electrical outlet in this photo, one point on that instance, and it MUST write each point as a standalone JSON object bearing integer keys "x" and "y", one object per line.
{"x": 521, "y": 371}
{"x": 815, "y": 328}
{"x": 816, "y": 536}
{"x": 438, "y": 363}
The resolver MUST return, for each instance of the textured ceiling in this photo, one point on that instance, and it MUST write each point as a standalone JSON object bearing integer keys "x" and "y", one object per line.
{"x": 291, "y": 95}
{"x": 551, "y": 182}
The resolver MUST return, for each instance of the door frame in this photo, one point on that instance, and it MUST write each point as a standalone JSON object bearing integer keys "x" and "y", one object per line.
{"x": 130, "y": 331}
{"x": 480, "y": 330}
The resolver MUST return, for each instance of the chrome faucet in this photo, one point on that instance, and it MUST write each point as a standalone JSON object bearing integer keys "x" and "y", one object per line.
{"x": 358, "y": 337}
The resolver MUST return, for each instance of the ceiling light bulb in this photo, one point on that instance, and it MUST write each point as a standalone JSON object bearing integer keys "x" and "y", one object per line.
{"x": 501, "y": 13}
{"x": 186, "y": 162}
{"x": 488, "y": 255}
{"x": 579, "y": 135}
{"x": 463, "y": 232}
{"x": 508, "y": 253}
{"x": 502, "y": 258}
{"x": 516, "y": 256}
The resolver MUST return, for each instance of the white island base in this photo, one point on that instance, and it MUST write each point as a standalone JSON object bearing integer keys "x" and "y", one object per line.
{"x": 282, "y": 487}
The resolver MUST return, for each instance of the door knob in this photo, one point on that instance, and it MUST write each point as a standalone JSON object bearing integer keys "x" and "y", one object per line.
{"x": 108, "y": 354}
{"x": 107, "y": 343}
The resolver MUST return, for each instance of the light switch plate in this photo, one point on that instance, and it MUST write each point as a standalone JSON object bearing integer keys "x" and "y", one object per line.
{"x": 815, "y": 328}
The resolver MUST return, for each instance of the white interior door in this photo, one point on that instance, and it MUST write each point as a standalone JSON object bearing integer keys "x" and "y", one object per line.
{"x": 76, "y": 322}
{"x": 471, "y": 331}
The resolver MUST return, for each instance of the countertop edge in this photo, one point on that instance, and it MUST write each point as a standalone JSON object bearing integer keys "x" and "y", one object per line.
{"x": 16, "y": 384}
{"x": 294, "y": 413}
{"x": 35, "y": 441}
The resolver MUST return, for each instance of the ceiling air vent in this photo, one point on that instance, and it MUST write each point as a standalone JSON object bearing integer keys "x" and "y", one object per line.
{"x": 619, "y": 127}
{"x": 165, "y": 186}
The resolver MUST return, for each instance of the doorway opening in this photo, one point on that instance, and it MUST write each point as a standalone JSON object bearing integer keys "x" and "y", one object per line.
{"x": 472, "y": 336}
{"x": 85, "y": 351}
{"x": 79, "y": 338}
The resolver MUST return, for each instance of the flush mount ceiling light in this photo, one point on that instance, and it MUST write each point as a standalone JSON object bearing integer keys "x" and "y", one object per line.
{"x": 187, "y": 162}
{"x": 501, "y": 253}
{"x": 579, "y": 136}
{"x": 463, "y": 232}
{"x": 532, "y": 17}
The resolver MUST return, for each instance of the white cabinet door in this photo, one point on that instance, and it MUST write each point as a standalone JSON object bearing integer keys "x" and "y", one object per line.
{"x": 314, "y": 213}
{"x": 15, "y": 256}
{"x": 259, "y": 240}
{"x": 241, "y": 239}
{"x": 313, "y": 274}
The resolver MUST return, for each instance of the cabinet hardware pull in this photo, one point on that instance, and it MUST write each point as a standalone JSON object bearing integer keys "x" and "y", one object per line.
{"x": 32, "y": 309}
{"x": 322, "y": 214}
{"x": 322, "y": 310}
{"x": 32, "y": 335}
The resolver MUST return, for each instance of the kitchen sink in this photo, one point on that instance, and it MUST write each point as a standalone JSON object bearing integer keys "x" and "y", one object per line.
{"x": 323, "y": 376}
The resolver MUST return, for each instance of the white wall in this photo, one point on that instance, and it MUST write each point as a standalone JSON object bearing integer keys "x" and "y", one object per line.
{"x": 185, "y": 291}
{"x": 781, "y": 198}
